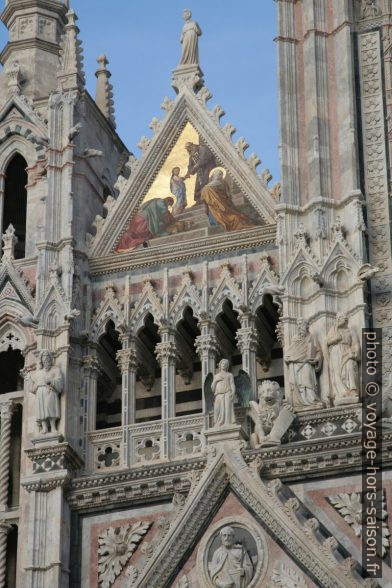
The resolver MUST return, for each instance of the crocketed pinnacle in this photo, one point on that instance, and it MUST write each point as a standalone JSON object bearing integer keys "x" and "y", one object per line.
{"x": 71, "y": 75}
{"x": 104, "y": 90}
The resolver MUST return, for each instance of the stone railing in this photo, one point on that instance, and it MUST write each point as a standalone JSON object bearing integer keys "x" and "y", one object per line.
{"x": 144, "y": 443}
{"x": 182, "y": 437}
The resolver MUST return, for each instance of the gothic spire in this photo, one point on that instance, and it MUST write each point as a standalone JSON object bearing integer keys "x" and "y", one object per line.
{"x": 104, "y": 90}
{"x": 70, "y": 74}
{"x": 34, "y": 37}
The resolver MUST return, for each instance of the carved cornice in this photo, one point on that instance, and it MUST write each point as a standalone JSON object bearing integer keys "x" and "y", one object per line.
{"x": 54, "y": 457}
{"x": 46, "y": 484}
{"x": 157, "y": 256}
{"x": 143, "y": 483}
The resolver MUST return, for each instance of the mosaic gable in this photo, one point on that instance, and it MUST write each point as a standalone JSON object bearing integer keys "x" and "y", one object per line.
{"x": 193, "y": 196}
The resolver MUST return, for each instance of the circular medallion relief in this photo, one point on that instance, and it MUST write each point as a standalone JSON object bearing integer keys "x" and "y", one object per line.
{"x": 232, "y": 554}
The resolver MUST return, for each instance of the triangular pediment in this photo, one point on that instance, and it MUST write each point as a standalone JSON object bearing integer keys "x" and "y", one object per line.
{"x": 8, "y": 291}
{"x": 14, "y": 290}
{"x": 191, "y": 182}
{"x": 18, "y": 116}
{"x": 265, "y": 514}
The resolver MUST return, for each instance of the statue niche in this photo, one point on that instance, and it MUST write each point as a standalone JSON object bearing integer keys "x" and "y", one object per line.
{"x": 47, "y": 385}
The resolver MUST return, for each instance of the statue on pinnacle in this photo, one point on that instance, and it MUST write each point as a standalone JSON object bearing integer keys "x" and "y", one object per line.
{"x": 190, "y": 40}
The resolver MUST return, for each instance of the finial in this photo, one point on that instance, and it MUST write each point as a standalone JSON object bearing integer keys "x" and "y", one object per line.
{"x": 104, "y": 90}
{"x": 188, "y": 72}
{"x": 9, "y": 240}
{"x": 71, "y": 75}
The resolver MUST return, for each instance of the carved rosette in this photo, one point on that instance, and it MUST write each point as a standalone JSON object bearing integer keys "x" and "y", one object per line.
{"x": 350, "y": 507}
{"x": 116, "y": 546}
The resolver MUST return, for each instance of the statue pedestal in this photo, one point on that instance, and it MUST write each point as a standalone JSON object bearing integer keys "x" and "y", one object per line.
{"x": 300, "y": 408}
{"x": 227, "y": 433}
{"x": 346, "y": 400}
{"x": 47, "y": 439}
{"x": 187, "y": 75}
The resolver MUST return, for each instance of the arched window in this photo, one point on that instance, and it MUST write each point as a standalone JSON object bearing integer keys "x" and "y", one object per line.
{"x": 109, "y": 381}
{"x": 15, "y": 201}
{"x": 11, "y": 362}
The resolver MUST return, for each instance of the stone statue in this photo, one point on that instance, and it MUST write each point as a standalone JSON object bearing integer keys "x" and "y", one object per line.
{"x": 370, "y": 8}
{"x": 47, "y": 385}
{"x": 344, "y": 356}
{"x": 270, "y": 415}
{"x": 223, "y": 388}
{"x": 304, "y": 359}
{"x": 190, "y": 40}
{"x": 231, "y": 566}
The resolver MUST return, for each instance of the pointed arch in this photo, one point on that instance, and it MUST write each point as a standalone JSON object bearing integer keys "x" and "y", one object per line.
{"x": 15, "y": 201}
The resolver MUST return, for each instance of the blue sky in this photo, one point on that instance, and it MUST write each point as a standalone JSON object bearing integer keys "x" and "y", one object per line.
{"x": 141, "y": 41}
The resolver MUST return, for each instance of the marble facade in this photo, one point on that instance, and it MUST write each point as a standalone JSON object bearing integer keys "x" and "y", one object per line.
{"x": 136, "y": 277}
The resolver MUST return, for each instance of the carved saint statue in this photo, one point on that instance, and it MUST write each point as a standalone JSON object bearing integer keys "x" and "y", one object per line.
{"x": 190, "y": 40}
{"x": 223, "y": 388}
{"x": 344, "y": 356}
{"x": 271, "y": 417}
{"x": 231, "y": 566}
{"x": 304, "y": 360}
{"x": 47, "y": 385}
{"x": 369, "y": 8}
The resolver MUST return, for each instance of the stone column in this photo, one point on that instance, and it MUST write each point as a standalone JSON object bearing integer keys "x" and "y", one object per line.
{"x": 5, "y": 528}
{"x": 247, "y": 343}
{"x": 127, "y": 361}
{"x": 207, "y": 348}
{"x": 6, "y": 410}
{"x": 91, "y": 371}
{"x": 166, "y": 353}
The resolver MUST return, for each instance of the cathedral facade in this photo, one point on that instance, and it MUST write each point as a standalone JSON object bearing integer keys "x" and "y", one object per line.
{"x": 181, "y": 339}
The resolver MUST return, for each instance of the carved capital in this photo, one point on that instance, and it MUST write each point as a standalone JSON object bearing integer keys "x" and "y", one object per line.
{"x": 207, "y": 345}
{"x": 127, "y": 360}
{"x": 6, "y": 411}
{"x": 166, "y": 352}
{"x": 91, "y": 366}
{"x": 247, "y": 339}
